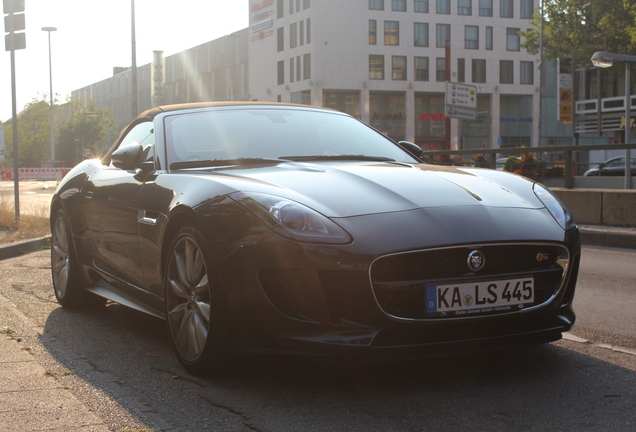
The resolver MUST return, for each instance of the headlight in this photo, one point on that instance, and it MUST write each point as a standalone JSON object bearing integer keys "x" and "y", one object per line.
{"x": 293, "y": 220}
{"x": 555, "y": 207}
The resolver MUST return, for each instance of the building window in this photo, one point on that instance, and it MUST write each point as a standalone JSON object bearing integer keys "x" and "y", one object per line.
{"x": 420, "y": 35}
{"x": 280, "y": 35}
{"x": 307, "y": 66}
{"x": 398, "y": 5}
{"x": 443, "y": 6}
{"x": 526, "y": 70}
{"x": 293, "y": 36}
{"x": 443, "y": 35}
{"x": 292, "y": 72}
{"x": 308, "y": 30}
{"x": 298, "y": 68}
{"x": 461, "y": 70}
{"x": 512, "y": 39}
{"x": 302, "y": 33}
{"x": 489, "y": 38}
{"x": 485, "y": 8}
{"x": 391, "y": 32}
{"x": 421, "y": 68}
{"x": 306, "y": 4}
{"x": 421, "y": 6}
{"x": 440, "y": 69}
{"x": 291, "y": 7}
{"x": 376, "y": 4}
{"x": 281, "y": 72}
{"x": 376, "y": 67}
{"x": 471, "y": 40}
{"x": 506, "y": 9}
{"x": 464, "y": 7}
{"x": 280, "y": 8}
{"x": 479, "y": 70}
{"x": 398, "y": 68}
{"x": 527, "y": 9}
{"x": 373, "y": 32}
{"x": 506, "y": 72}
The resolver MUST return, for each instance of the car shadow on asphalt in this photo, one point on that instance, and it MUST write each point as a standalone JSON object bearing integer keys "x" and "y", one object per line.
{"x": 116, "y": 334}
{"x": 505, "y": 387}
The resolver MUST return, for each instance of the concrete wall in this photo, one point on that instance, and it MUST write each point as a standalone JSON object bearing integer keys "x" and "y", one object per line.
{"x": 600, "y": 206}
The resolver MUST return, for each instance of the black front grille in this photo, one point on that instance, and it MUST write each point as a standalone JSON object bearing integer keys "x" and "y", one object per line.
{"x": 399, "y": 281}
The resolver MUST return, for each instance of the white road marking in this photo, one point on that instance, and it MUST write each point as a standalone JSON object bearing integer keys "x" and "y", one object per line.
{"x": 574, "y": 338}
{"x": 617, "y": 349}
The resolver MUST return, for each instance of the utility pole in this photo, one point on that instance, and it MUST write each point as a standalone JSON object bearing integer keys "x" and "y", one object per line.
{"x": 51, "y": 110}
{"x": 14, "y": 40}
{"x": 134, "y": 60}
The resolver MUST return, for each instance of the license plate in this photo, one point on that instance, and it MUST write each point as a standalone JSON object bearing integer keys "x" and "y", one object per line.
{"x": 479, "y": 297}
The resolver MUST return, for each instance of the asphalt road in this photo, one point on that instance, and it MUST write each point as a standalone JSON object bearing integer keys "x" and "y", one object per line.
{"x": 123, "y": 368}
{"x": 35, "y": 195}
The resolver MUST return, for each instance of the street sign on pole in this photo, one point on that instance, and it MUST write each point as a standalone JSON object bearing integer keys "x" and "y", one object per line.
{"x": 14, "y": 22}
{"x": 461, "y": 95}
{"x": 461, "y": 101}
{"x": 460, "y": 113}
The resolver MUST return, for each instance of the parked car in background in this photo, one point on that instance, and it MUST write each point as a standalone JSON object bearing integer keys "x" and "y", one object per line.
{"x": 611, "y": 167}
{"x": 274, "y": 228}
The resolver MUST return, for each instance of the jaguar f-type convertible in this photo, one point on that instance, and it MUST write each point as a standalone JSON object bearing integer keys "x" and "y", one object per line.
{"x": 273, "y": 228}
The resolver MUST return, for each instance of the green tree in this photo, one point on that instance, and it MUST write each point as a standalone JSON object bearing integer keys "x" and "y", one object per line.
{"x": 85, "y": 134}
{"x": 34, "y": 133}
{"x": 576, "y": 29}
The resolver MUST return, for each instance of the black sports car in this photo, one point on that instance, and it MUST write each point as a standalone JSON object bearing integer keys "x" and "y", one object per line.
{"x": 271, "y": 228}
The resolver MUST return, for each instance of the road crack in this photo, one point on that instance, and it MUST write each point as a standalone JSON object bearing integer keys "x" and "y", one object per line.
{"x": 246, "y": 420}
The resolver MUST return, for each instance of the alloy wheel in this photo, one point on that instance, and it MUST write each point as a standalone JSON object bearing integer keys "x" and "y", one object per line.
{"x": 60, "y": 257}
{"x": 188, "y": 299}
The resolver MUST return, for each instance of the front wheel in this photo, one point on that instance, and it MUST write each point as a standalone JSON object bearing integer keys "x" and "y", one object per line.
{"x": 195, "y": 312}
{"x": 67, "y": 280}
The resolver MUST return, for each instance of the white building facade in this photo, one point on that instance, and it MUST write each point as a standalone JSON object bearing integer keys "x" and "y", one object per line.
{"x": 387, "y": 62}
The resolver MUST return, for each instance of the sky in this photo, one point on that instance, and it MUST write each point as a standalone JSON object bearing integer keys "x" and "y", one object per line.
{"x": 93, "y": 36}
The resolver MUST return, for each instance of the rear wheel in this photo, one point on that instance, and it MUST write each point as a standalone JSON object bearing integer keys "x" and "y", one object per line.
{"x": 67, "y": 280}
{"x": 194, "y": 309}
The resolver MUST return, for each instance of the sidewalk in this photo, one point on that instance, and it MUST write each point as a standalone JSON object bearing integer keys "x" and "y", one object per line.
{"x": 34, "y": 399}
{"x": 38, "y": 393}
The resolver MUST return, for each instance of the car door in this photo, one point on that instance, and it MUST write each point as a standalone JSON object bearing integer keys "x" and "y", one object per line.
{"x": 112, "y": 212}
{"x": 615, "y": 167}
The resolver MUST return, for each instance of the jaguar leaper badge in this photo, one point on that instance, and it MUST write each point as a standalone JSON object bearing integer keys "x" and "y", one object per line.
{"x": 476, "y": 260}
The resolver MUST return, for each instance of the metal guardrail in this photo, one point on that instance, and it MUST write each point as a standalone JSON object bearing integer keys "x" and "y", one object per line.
{"x": 490, "y": 155}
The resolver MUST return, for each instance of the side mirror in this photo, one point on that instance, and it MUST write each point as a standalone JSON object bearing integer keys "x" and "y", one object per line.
{"x": 128, "y": 157}
{"x": 411, "y": 148}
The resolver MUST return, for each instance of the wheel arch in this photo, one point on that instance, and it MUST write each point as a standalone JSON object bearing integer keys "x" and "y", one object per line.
{"x": 181, "y": 216}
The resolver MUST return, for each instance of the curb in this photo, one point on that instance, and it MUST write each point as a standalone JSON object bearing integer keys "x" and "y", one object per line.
{"x": 13, "y": 250}
{"x": 607, "y": 238}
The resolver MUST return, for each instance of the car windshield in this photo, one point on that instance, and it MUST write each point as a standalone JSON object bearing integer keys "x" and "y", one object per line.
{"x": 275, "y": 133}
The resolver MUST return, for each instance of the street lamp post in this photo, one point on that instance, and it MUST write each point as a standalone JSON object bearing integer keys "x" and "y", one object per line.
{"x": 605, "y": 59}
{"x": 52, "y": 126}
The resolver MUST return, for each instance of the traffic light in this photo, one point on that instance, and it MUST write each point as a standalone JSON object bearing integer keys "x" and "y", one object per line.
{"x": 14, "y": 22}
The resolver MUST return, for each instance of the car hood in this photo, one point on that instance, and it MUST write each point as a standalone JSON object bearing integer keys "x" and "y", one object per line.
{"x": 344, "y": 189}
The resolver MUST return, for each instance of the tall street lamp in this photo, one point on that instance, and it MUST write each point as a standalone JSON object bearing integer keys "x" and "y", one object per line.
{"x": 49, "y": 30}
{"x": 604, "y": 60}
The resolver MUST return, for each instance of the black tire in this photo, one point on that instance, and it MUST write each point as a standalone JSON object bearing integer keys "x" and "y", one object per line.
{"x": 67, "y": 279}
{"x": 195, "y": 310}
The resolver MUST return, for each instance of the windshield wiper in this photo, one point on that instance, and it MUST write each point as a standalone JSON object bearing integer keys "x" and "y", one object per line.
{"x": 224, "y": 162}
{"x": 347, "y": 157}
